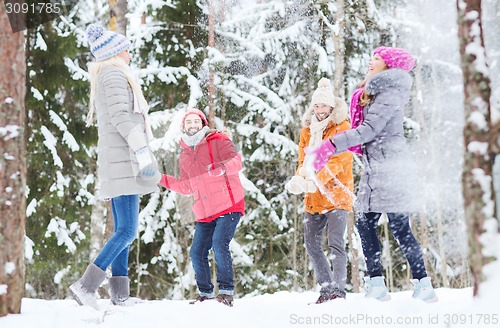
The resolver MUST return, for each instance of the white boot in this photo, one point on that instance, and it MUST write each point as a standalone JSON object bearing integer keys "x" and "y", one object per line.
{"x": 84, "y": 289}
{"x": 375, "y": 288}
{"x": 119, "y": 290}
{"x": 423, "y": 290}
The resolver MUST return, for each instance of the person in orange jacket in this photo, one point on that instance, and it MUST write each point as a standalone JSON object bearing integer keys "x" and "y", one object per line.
{"x": 328, "y": 192}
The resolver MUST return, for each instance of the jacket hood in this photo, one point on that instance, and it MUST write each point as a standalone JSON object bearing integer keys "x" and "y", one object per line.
{"x": 390, "y": 78}
{"x": 339, "y": 114}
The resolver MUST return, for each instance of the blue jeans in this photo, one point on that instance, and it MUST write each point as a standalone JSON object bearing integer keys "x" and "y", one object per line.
{"x": 217, "y": 235}
{"x": 115, "y": 251}
{"x": 400, "y": 227}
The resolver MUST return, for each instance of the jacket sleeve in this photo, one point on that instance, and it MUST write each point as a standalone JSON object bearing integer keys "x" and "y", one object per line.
{"x": 337, "y": 163}
{"x": 228, "y": 155}
{"x": 180, "y": 185}
{"x": 334, "y": 167}
{"x": 380, "y": 112}
{"x": 117, "y": 91}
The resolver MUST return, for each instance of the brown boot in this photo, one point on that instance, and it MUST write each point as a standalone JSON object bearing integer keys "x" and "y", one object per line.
{"x": 225, "y": 299}
{"x": 200, "y": 298}
{"x": 326, "y": 298}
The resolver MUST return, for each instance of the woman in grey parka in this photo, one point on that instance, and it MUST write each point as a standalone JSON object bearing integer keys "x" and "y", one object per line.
{"x": 387, "y": 182}
{"x": 126, "y": 165}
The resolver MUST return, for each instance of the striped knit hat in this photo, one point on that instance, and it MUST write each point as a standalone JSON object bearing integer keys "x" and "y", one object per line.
{"x": 105, "y": 44}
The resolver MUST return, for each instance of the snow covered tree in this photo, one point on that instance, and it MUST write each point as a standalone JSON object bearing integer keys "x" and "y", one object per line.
{"x": 479, "y": 141}
{"x": 266, "y": 60}
{"x": 60, "y": 156}
{"x": 12, "y": 166}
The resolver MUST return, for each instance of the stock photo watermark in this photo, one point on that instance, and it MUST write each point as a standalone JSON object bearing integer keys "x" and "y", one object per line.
{"x": 425, "y": 320}
{"x": 32, "y": 13}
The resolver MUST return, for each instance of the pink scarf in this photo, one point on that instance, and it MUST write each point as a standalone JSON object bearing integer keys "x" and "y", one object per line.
{"x": 357, "y": 117}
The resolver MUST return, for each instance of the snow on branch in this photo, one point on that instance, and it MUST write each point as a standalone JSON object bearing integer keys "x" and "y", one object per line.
{"x": 68, "y": 138}
{"x": 77, "y": 72}
{"x": 287, "y": 147}
{"x": 50, "y": 142}
{"x": 264, "y": 203}
{"x": 165, "y": 74}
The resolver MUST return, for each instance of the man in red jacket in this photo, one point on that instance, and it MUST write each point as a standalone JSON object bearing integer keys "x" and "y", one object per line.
{"x": 209, "y": 166}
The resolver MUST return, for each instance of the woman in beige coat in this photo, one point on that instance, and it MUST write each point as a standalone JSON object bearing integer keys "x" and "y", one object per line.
{"x": 126, "y": 165}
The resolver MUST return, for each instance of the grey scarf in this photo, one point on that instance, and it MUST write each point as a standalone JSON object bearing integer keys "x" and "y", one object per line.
{"x": 195, "y": 139}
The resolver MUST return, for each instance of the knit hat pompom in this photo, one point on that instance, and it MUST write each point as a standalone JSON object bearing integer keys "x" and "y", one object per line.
{"x": 324, "y": 83}
{"x": 396, "y": 58}
{"x": 105, "y": 44}
{"x": 323, "y": 94}
{"x": 94, "y": 32}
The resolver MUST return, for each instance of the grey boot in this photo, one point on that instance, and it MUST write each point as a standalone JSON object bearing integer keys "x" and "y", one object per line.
{"x": 423, "y": 290}
{"x": 375, "y": 288}
{"x": 84, "y": 289}
{"x": 119, "y": 290}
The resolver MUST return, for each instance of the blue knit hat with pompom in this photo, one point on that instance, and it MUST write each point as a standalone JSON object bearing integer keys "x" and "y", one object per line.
{"x": 105, "y": 44}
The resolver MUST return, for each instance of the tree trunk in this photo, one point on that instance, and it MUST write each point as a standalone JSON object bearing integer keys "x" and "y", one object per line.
{"x": 97, "y": 222}
{"x": 339, "y": 43}
{"x": 118, "y": 22}
{"x": 351, "y": 236}
{"x": 386, "y": 251}
{"x": 295, "y": 245}
{"x": 211, "y": 73}
{"x": 477, "y": 183}
{"x": 12, "y": 166}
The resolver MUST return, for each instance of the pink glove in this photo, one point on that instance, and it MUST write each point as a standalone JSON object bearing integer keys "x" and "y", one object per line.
{"x": 321, "y": 154}
{"x": 216, "y": 169}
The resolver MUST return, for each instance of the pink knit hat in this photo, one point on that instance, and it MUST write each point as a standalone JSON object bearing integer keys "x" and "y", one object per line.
{"x": 396, "y": 57}
{"x": 196, "y": 111}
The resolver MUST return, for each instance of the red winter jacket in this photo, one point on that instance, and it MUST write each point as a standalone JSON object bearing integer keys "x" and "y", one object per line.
{"x": 214, "y": 196}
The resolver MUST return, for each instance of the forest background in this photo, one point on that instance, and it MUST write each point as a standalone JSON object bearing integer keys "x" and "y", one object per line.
{"x": 256, "y": 76}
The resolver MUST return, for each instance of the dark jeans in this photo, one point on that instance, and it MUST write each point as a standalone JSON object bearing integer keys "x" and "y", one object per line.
{"x": 217, "y": 235}
{"x": 115, "y": 251}
{"x": 400, "y": 227}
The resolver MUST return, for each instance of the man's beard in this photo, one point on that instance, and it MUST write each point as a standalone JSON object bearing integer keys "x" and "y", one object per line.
{"x": 322, "y": 117}
{"x": 192, "y": 131}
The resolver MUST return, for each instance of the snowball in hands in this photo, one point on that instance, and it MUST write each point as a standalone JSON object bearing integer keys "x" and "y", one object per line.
{"x": 298, "y": 185}
{"x": 216, "y": 169}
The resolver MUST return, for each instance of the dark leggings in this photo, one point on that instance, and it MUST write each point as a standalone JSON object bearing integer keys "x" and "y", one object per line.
{"x": 400, "y": 227}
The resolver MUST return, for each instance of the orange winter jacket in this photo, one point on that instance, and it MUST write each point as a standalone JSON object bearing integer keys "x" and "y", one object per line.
{"x": 336, "y": 176}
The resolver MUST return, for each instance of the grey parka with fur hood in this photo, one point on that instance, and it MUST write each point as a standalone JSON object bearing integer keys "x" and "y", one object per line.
{"x": 388, "y": 180}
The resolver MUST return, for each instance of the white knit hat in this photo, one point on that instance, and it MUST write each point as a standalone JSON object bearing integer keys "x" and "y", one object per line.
{"x": 323, "y": 94}
{"x": 105, "y": 44}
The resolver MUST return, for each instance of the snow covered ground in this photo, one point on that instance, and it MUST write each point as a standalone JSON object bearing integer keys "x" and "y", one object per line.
{"x": 456, "y": 308}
